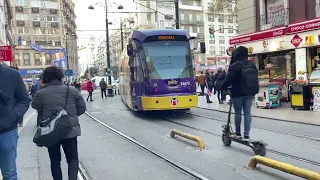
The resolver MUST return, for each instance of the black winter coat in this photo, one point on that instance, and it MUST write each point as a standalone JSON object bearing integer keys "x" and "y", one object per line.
{"x": 220, "y": 77}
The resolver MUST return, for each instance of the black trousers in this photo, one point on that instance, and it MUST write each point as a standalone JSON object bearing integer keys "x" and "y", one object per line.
{"x": 103, "y": 92}
{"x": 202, "y": 89}
{"x": 70, "y": 148}
{"x": 89, "y": 96}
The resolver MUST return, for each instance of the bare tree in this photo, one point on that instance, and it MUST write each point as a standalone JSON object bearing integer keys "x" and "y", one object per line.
{"x": 225, "y": 8}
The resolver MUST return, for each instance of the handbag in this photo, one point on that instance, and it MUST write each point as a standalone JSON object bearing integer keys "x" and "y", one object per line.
{"x": 52, "y": 130}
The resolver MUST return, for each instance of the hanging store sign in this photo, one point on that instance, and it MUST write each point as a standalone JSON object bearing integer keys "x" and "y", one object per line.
{"x": 296, "y": 40}
{"x": 30, "y": 71}
{"x": 304, "y": 26}
{"x": 271, "y": 33}
{"x": 6, "y": 53}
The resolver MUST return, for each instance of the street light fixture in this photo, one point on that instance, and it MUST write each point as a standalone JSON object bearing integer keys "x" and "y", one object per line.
{"x": 110, "y": 88}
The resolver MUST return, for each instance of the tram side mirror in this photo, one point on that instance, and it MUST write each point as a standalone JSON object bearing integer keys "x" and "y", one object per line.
{"x": 129, "y": 50}
{"x": 202, "y": 47}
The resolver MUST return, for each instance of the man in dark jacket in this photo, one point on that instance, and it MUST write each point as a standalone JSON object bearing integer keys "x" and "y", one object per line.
{"x": 239, "y": 99}
{"x": 14, "y": 102}
{"x": 208, "y": 84}
{"x": 103, "y": 88}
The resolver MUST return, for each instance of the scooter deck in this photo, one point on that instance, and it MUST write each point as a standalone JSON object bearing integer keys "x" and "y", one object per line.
{"x": 247, "y": 142}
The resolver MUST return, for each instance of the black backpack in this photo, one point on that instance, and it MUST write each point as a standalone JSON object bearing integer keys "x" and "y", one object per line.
{"x": 249, "y": 78}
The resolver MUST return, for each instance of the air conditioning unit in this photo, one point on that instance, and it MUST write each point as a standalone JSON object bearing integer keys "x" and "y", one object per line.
{"x": 35, "y": 10}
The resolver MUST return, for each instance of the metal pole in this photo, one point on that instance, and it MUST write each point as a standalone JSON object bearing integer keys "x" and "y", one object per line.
{"x": 68, "y": 75}
{"x": 110, "y": 91}
{"x": 121, "y": 34}
{"x": 176, "y": 6}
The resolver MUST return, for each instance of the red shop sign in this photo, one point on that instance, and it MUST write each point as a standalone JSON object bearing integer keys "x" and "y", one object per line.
{"x": 304, "y": 26}
{"x": 296, "y": 40}
{"x": 6, "y": 53}
{"x": 258, "y": 36}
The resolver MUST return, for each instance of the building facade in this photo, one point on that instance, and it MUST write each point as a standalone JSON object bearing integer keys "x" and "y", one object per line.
{"x": 48, "y": 24}
{"x": 6, "y": 24}
{"x": 285, "y": 41}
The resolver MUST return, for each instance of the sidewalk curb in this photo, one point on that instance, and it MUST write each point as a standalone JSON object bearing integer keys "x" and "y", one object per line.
{"x": 263, "y": 117}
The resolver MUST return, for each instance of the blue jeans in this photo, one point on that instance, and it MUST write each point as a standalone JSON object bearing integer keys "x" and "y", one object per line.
{"x": 244, "y": 103}
{"x": 8, "y": 154}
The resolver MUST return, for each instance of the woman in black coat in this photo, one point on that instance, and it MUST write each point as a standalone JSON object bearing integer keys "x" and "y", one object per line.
{"x": 220, "y": 76}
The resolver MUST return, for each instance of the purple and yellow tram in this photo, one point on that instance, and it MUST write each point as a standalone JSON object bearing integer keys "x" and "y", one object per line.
{"x": 156, "y": 71}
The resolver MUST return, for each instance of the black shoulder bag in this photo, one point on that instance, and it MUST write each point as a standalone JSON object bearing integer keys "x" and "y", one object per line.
{"x": 52, "y": 130}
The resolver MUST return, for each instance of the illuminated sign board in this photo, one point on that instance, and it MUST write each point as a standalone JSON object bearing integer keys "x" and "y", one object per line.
{"x": 166, "y": 38}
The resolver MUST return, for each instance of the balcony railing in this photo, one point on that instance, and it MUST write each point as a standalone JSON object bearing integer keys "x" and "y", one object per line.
{"x": 274, "y": 19}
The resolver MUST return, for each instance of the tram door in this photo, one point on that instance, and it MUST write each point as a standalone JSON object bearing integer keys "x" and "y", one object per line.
{"x": 134, "y": 84}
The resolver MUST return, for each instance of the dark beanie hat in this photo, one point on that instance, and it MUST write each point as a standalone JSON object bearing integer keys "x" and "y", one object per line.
{"x": 241, "y": 51}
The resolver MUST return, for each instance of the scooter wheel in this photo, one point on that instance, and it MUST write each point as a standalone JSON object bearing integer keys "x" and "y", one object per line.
{"x": 260, "y": 150}
{"x": 226, "y": 139}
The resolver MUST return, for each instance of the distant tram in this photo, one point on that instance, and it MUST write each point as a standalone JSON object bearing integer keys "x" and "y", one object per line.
{"x": 156, "y": 71}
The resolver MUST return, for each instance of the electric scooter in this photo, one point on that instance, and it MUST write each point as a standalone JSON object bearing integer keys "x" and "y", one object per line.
{"x": 258, "y": 147}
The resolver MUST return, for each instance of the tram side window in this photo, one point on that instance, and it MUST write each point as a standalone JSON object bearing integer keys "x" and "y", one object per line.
{"x": 138, "y": 75}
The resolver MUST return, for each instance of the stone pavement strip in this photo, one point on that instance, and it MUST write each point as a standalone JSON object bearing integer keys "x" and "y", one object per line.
{"x": 284, "y": 113}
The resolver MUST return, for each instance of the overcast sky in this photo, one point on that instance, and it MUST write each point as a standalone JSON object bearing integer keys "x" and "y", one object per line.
{"x": 95, "y": 19}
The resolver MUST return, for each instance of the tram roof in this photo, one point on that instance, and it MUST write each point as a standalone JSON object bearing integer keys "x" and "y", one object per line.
{"x": 141, "y": 35}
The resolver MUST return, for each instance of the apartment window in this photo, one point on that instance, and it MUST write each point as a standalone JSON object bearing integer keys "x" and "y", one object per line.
{"x": 37, "y": 59}
{"x": 22, "y": 17}
{"x": 229, "y": 7}
{"x": 23, "y": 30}
{"x": 39, "y": 31}
{"x": 183, "y": 27}
{"x": 52, "y": 18}
{"x": 230, "y": 37}
{"x": 182, "y": 16}
{"x": 148, "y": 4}
{"x": 48, "y": 59}
{"x": 212, "y": 50}
{"x": 221, "y": 40}
{"x": 220, "y": 18}
{"x": 222, "y": 50}
{"x": 210, "y": 5}
{"x": 26, "y": 59}
{"x": 17, "y": 58}
{"x": 149, "y": 17}
{"x": 21, "y": 2}
{"x": 190, "y": 29}
{"x": 221, "y": 29}
{"x": 210, "y": 17}
{"x": 190, "y": 17}
{"x": 230, "y": 19}
{"x": 212, "y": 41}
{"x": 161, "y": 24}
{"x": 230, "y": 29}
{"x": 37, "y": 3}
{"x": 51, "y": 5}
{"x": 198, "y": 29}
{"x": 36, "y": 17}
{"x": 198, "y": 17}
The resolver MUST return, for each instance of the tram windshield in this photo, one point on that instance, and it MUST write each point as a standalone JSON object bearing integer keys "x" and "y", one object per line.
{"x": 168, "y": 59}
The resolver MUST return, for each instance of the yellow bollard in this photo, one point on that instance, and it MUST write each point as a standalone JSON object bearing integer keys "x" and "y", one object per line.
{"x": 288, "y": 168}
{"x": 188, "y": 136}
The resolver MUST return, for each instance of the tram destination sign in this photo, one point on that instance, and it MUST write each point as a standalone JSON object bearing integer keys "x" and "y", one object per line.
{"x": 166, "y": 38}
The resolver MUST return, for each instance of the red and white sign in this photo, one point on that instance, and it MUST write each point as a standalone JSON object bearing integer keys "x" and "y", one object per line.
{"x": 304, "y": 26}
{"x": 271, "y": 33}
{"x": 174, "y": 101}
{"x": 296, "y": 40}
{"x": 6, "y": 53}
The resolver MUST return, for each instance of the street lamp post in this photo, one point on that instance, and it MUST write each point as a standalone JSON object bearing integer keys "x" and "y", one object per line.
{"x": 109, "y": 89}
{"x": 121, "y": 30}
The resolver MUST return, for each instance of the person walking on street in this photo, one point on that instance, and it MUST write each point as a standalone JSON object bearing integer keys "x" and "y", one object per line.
{"x": 89, "y": 89}
{"x": 243, "y": 78}
{"x": 201, "y": 82}
{"x": 14, "y": 103}
{"x": 51, "y": 99}
{"x": 213, "y": 80}
{"x": 78, "y": 85}
{"x": 208, "y": 84}
{"x": 220, "y": 77}
{"x": 103, "y": 88}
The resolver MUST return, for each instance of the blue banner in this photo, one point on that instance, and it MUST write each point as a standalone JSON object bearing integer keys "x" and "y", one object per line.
{"x": 30, "y": 71}
{"x": 37, "y": 48}
{"x": 59, "y": 58}
{"x": 70, "y": 73}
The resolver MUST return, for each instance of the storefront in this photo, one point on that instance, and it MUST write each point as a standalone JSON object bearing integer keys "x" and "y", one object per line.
{"x": 285, "y": 54}
{"x": 30, "y": 74}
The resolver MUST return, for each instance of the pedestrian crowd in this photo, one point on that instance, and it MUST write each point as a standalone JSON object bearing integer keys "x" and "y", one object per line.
{"x": 56, "y": 103}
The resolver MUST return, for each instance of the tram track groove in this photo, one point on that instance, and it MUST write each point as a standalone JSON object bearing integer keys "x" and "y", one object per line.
{"x": 268, "y": 150}
{"x": 184, "y": 169}
{"x": 258, "y": 127}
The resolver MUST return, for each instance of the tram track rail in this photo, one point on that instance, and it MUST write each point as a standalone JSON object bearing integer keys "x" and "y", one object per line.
{"x": 258, "y": 127}
{"x": 268, "y": 150}
{"x": 184, "y": 169}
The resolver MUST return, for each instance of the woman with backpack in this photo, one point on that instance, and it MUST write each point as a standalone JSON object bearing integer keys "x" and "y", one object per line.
{"x": 52, "y": 99}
